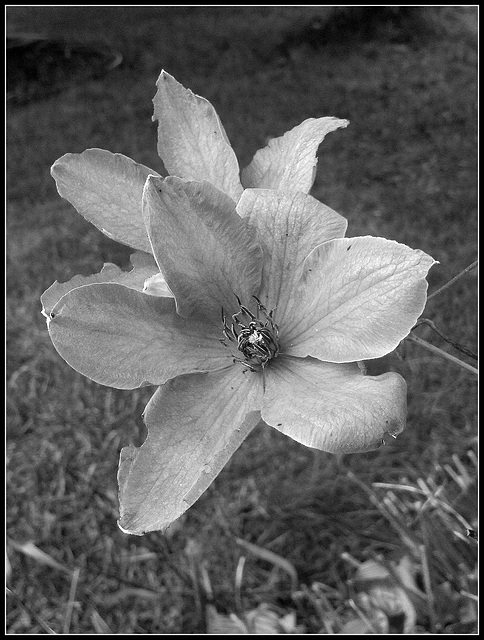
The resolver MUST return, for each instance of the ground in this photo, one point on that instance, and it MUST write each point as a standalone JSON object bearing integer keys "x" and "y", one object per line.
{"x": 404, "y": 169}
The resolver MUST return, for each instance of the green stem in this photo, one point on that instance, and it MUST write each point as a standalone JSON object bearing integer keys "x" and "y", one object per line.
{"x": 454, "y": 279}
{"x": 443, "y": 354}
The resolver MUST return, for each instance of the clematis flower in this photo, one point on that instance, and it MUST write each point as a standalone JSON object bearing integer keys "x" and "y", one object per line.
{"x": 243, "y": 305}
{"x": 106, "y": 188}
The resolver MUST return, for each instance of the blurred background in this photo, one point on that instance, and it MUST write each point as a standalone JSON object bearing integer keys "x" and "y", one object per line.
{"x": 288, "y": 539}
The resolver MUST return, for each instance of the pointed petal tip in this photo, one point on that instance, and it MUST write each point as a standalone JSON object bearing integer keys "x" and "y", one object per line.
{"x": 129, "y": 531}
{"x": 54, "y": 166}
{"x": 132, "y": 524}
{"x": 128, "y": 525}
{"x": 150, "y": 182}
{"x": 168, "y": 78}
{"x": 164, "y": 75}
{"x": 341, "y": 123}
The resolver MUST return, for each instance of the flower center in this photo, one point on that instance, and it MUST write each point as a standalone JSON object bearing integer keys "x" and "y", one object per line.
{"x": 257, "y": 336}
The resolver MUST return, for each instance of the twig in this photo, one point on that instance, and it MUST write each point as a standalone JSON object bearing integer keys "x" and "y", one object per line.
{"x": 454, "y": 279}
{"x": 456, "y": 345}
{"x": 443, "y": 354}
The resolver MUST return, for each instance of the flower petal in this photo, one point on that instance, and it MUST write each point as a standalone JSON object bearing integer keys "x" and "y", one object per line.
{"x": 144, "y": 270}
{"x": 356, "y": 299}
{"x": 289, "y": 162}
{"x": 106, "y": 188}
{"x": 205, "y": 250}
{"x": 191, "y": 139}
{"x": 156, "y": 286}
{"x": 333, "y": 407}
{"x": 290, "y": 226}
{"x": 195, "y": 423}
{"x": 126, "y": 339}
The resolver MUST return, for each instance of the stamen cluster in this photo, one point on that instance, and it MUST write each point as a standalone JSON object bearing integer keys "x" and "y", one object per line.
{"x": 256, "y": 335}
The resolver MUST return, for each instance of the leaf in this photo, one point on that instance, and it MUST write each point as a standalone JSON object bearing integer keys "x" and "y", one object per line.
{"x": 219, "y": 624}
{"x": 378, "y": 590}
{"x": 261, "y": 621}
{"x": 374, "y": 621}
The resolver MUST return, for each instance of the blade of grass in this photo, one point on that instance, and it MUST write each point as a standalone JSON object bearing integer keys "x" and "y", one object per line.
{"x": 26, "y": 608}
{"x": 272, "y": 557}
{"x": 32, "y": 551}
{"x": 238, "y": 584}
{"x": 70, "y": 603}
{"x": 427, "y": 580}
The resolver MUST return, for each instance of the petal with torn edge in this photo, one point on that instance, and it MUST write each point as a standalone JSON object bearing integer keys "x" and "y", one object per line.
{"x": 106, "y": 188}
{"x": 207, "y": 253}
{"x": 290, "y": 225}
{"x": 333, "y": 407}
{"x": 143, "y": 271}
{"x": 289, "y": 162}
{"x": 126, "y": 339}
{"x": 357, "y": 299}
{"x": 195, "y": 423}
{"x": 191, "y": 139}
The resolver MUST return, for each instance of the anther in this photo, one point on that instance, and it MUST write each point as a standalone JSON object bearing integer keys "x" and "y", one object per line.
{"x": 257, "y": 340}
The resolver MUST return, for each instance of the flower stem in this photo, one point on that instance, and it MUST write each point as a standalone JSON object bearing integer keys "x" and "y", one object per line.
{"x": 443, "y": 354}
{"x": 452, "y": 280}
{"x": 456, "y": 345}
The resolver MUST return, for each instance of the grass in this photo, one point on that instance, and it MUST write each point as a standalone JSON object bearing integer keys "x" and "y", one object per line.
{"x": 405, "y": 169}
